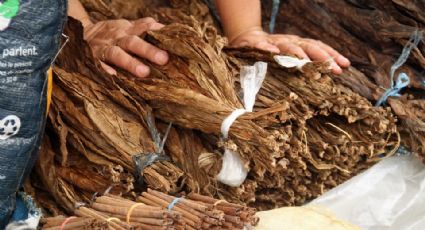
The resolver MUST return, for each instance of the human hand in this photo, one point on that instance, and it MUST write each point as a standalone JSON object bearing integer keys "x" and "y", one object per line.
{"x": 115, "y": 42}
{"x": 291, "y": 44}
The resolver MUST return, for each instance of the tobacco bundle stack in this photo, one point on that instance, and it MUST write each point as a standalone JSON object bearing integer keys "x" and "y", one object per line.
{"x": 306, "y": 134}
{"x": 371, "y": 34}
{"x": 304, "y": 137}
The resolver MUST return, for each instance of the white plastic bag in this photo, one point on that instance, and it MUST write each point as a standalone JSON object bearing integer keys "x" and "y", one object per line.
{"x": 390, "y": 195}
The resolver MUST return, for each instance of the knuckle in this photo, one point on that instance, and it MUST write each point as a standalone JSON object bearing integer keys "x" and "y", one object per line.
{"x": 150, "y": 19}
{"x": 112, "y": 51}
{"x": 150, "y": 25}
{"x": 124, "y": 22}
{"x": 150, "y": 50}
{"x": 142, "y": 27}
{"x": 310, "y": 47}
{"x": 131, "y": 65}
{"x": 128, "y": 41}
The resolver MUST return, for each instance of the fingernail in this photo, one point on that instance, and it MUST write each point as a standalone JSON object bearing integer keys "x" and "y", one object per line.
{"x": 347, "y": 62}
{"x": 161, "y": 58}
{"x": 336, "y": 69}
{"x": 142, "y": 71}
{"x": 273, "y": 49}
{"x": 112, "y": 72}
{"x": 343, "y": 61}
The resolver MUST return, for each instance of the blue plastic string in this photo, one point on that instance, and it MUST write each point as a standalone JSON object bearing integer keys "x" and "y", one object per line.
{"x": 403, "y": 79}
{"x": 173, "y": 203}
{"x": 275, "y": 10}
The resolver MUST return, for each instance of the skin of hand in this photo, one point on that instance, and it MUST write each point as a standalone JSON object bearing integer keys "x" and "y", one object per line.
{"x": 241, "y": 20}
{"x": 117, "y": 42}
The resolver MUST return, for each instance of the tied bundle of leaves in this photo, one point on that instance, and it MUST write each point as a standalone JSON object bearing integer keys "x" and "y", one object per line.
{"x": 371, "y": 34}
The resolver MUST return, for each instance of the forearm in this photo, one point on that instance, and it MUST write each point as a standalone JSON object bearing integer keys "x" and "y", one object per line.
{"x": 77, "y": 11}
{"x": 239, "y": 16}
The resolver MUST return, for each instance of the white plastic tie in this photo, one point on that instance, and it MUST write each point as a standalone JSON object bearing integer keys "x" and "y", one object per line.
{"x": 225, "y": 126}
{"x": 233, "y": 171}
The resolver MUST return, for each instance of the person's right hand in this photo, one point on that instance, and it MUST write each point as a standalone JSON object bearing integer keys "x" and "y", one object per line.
{"x": 115, "y": 42}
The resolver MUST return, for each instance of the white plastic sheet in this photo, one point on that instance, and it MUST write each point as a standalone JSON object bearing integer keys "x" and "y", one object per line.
{"x": 390, "y": 195}
{"x": 301, "y": 218}
{"x": 290, "y": 62}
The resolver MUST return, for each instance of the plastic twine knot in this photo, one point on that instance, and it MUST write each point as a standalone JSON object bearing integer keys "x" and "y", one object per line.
{"x": 143, "y": 160}
{"x": 403, "y": 79}
{"x": 173, "y": 203}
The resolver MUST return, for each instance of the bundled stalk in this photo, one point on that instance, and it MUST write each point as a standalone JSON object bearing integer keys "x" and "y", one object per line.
{"x": 135, "y": 214}
{"x": 69, "y": 223}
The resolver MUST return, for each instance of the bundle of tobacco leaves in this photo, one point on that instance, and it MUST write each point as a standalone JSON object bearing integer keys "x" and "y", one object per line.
{"x": 371, "y": 34}
{"x": 306, "y": 135}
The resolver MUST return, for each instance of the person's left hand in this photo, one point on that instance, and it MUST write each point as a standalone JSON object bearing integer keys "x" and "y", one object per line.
{"x": 291, "y": 44}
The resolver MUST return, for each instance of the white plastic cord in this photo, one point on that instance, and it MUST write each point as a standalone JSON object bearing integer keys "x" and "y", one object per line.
{"x": 233, "y": 172}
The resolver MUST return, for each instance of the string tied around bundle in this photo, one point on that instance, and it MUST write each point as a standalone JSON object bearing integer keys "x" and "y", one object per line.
{"x": 141, "y": 161}
{"x": 403, "y": 79}
{"x": 173, "y": 203}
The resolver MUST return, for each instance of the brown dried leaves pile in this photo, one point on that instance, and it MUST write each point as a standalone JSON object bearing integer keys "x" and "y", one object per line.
{"x": 306, "y": 135}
